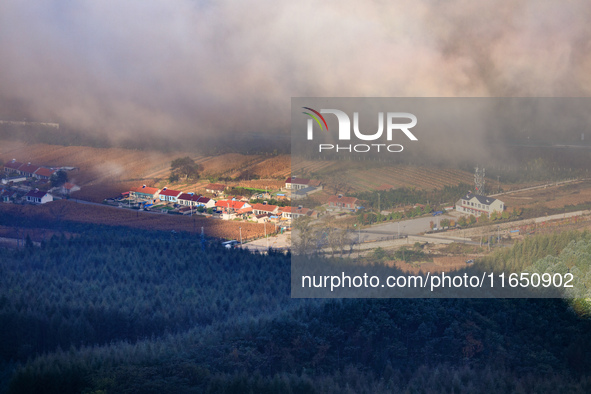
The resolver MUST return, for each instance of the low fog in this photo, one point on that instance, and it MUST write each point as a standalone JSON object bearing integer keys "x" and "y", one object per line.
{"x": 201, "y": 69}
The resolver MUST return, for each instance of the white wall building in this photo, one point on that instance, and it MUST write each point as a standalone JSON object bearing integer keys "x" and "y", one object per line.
{"x": 472, "y": 204}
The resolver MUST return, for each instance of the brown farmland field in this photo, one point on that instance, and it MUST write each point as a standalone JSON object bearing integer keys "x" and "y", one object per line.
{"x": 105, "y": 172}
{"x": 552, "y": 196}
{"x": 99, "y": 214}
{"x": 277, "y": 167}
{"x": 371, "y": 176}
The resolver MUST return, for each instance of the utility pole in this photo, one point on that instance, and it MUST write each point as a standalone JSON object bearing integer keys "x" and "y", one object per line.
{"x": 379, "y": 210}
{"x": 240, "y": 228}
{"x": 265, "y": 222}
{"x": 359, "y": 242}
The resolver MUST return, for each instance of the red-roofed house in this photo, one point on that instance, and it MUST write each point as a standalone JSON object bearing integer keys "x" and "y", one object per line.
{"x": 243, "y": 211}
{"x": 188, "y": 199}
{"x": 341, "y": 202}
{"x": 231, "y": 206}
{"x": 295, "y": 183}
{"x": 68, "y": 188}
{"x": 144, "y": 193}
{"x": 168, "y": 195}
{"x": 43, "y": 173}
{"x": 294, "y": 212}
{"x": 38, "y": 197}
{"x": 12, "y": 166}
{"x": 260, "y": 209}
{"x": 230, "y": 209}
{"x": 27, "y": 169}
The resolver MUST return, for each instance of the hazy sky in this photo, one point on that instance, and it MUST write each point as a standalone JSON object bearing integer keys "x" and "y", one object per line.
{"x": 148, "y": 66}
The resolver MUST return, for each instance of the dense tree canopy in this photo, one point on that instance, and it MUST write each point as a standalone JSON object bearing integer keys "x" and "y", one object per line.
{"x": 59, "y": 178}
{"x": 120, "y": 311}
{"x": 184, "y": 167}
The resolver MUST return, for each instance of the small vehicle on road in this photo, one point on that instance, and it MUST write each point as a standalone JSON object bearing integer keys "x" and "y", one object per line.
{"x": 230, "y": 244}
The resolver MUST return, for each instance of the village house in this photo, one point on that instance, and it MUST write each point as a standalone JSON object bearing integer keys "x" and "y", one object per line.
{"x": 261, "y": 218}
{"x": 473, "y": 204}
{"x": 259, "y": 209}
{"x": 43, "y": 173}
{"x": 169, "y": 195}
{"x": 303, "y": 193}
{"x": 230, "y": 206}
{"x": 342, "y": 202}
{"x": 144, "y": 193}
{"x": 27, "y": 170}
{"x": 231, "y": 209}
{"x": 12, "y": 166}
{"x": 294, "y": 212}
{"x": 188, "y": 199}
{"x": 215, "y": 188}
{"x": 68, "y": 188}
{"x": 38, "y": 197}
{"x": 294, "y": 183}
{"x": 7, "y": 196}
{"x": 205, "y": 202}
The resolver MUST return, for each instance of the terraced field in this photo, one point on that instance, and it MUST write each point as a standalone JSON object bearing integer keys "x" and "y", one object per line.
{"x": 406, "y": 176}
{"x": 374, "y": 176}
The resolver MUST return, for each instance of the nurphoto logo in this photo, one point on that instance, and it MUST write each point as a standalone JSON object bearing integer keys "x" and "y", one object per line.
{"x": 393, "y": 125}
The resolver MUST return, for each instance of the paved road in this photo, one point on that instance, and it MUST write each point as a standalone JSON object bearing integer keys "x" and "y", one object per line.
{"x": 280, "y": 241}
{"x": 406, "y": 227}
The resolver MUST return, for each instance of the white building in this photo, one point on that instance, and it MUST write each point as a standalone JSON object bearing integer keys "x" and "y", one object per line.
{"x": 472, "y": 204}
{"x": 38, "y": 197}
{"x": 294, "y": 183}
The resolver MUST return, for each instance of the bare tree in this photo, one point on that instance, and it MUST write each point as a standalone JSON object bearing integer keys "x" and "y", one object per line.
{"x": 339, "y": 185}
{"x": 304, "y": 236}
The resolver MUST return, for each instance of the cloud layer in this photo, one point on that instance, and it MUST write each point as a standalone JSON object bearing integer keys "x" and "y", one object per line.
{"x": 142, "y": 68}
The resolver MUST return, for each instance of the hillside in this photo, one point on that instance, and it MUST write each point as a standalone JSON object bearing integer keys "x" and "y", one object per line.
{"x": 116, "y": 311}
{"x": 104, "y": 172}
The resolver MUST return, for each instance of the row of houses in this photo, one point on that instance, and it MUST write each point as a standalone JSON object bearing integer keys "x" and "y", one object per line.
{"x": 228, "y": 208}
{"x": 231, "y": 209}
{"x": 27, "y": 170}
{"x": 154, "y": 195}
{"x": 15, "y": 172}
{"x": 35, "y": 196}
